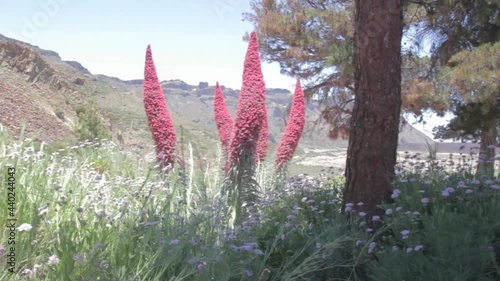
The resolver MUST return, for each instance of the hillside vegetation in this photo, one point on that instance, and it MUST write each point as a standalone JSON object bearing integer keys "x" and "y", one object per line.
{"x": 37, "y": 86}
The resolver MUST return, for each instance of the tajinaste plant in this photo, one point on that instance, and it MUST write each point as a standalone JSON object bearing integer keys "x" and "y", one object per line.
{"x": 222, "y": 119}
{"x": 242, "y": 188}
{"x": 251, "y": 105}
{"x": 160, "y": 123}
{"x": 293, "y": 131}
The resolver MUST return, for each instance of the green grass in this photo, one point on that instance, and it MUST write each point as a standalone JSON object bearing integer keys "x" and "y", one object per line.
{"x": 96, "y": 214}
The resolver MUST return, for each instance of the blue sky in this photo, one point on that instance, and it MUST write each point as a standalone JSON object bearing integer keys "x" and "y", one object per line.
{"x": 191, "y": 40}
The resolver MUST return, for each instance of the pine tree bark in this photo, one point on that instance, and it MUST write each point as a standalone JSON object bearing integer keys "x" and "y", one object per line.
{"x": 373, "y": 137}
{"x": 486, "y": 161}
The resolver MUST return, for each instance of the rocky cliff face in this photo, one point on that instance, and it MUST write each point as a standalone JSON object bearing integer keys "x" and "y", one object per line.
{"x": 78, "y": 66}
{"x": 29, "y": 64}
{"x": 32, "y": 91}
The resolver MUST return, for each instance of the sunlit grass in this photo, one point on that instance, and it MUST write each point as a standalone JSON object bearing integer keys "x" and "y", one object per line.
{"x": 96, "y": 214}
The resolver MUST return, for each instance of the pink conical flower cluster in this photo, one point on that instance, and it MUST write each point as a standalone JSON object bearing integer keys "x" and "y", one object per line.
{"x": 294, "y": 128}
{"x": 160, "y": 123}
{"x": 222, "y": 119}
{"x": 251, "y": 108}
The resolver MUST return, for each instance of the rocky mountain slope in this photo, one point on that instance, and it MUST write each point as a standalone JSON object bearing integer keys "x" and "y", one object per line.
{"x": 37, "y": 87}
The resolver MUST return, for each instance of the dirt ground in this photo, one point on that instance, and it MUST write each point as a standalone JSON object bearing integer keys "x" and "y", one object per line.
{"x": 315, "y": 161}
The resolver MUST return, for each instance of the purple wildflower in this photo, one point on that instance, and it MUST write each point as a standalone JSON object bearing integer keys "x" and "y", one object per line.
{"x": 372, "y": 247}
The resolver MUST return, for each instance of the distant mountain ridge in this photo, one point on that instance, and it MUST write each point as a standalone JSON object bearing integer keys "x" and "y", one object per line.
{"x": 78, "y": 66}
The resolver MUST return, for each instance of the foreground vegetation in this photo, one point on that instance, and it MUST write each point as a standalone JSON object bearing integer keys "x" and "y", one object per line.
{"x": 89, "y": 212}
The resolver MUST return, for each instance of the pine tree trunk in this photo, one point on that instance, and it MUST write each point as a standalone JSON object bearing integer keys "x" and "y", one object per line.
{"x": 486, "y": 162}
{"x": 373, "y": 137}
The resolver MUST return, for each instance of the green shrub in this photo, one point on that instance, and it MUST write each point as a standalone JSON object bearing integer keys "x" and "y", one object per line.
{"x": 90, "y": 126}
{"x": 60, "y": 114}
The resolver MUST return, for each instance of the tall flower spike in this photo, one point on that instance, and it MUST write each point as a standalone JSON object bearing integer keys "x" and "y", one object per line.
{"x": 160, "y": 123}
{"x": 222, "y": 119}
{"x": 293, "y": 132}
{"x": 250, "y": 115}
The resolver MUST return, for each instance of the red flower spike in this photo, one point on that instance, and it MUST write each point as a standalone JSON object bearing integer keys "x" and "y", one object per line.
{"x": 222, "y": 119}
{"x": 251, "y": 107}
{"x": 293, "y": 132}
{"x": 160, "y": 123}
